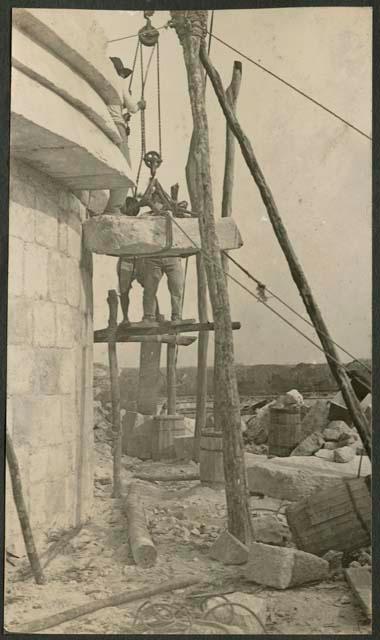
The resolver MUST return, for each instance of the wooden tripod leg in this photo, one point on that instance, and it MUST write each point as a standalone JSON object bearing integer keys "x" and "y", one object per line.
{"x": 18, "y": 495}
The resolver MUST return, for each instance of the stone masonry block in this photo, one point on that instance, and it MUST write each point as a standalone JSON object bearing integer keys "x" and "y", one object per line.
{"x": 281, "y": 567}
{"x": 49, "y": 369}
{"x": 229, "y": 550}
{"x": 57, "y": 460}
{"x": 73, "y": 277}
{"x": 47, "y": 226}
{"x": 67, "y": 326}
{"x": 57, "y": 277}
{"x": 44, "y": 323}
{"x": 20, "y": 321}
{"x": 70, "y": 417}
{"x": 38, "y": 504}
{"x": 21, "y": 221}
{"x": 16, "y": 263}
{"x": 74, "y": 237}
{"x": 36, "y": 271}
{"x": 20, "y": 370}
{"x": 37, "y": 420}
{"x": 38, "y": 465}
{"x": 66, "y": 378}
{"x": 62, "y": 232}
{"x": 21, "y": 191}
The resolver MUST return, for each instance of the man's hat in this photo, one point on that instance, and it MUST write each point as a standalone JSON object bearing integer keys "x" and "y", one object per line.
{"x": 123, "y": 71}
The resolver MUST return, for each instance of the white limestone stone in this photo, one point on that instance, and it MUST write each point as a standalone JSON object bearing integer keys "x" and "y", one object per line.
{"x": 123, "y": 235}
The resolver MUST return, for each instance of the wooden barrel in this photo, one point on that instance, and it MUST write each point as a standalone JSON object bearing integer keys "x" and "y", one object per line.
{"x": 163, "y": 437}
{"x": 211, "y": 457}
{"x": 284, "y": 432}
{"x": 336, "y": 519}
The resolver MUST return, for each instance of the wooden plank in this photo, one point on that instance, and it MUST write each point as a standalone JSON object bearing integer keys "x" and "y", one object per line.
{"x": 123, "y": 334}
{"x": 171, "y": 379}
{"x": 115, "y": 395}
{"x": 360, "y": 581}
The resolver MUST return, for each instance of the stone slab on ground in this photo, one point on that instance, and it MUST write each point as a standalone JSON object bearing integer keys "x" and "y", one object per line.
{"x": 344, "y": 454}
{"x": 281, "y": 567}
{"x": 269, "y": 530}
{"x": 237, "y": 615}
{"x": 360, "y": 581}
{"x": 229, "y": 550}
{"x": 309, "y": 445}
{"x": 297, "y": 477}
{"x": 59, "y": 140}
{"x": 123, "y": 235}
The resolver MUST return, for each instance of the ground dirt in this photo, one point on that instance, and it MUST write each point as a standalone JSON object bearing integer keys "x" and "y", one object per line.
{"x": 184, "y": 519}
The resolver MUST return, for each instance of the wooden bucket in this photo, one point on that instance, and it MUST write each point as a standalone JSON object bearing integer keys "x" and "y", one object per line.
{"x": 163, "y": 437}
{"x": 336, "y": 519}
{"x": 284, "y": 432}
{"x": 211, "y": 468}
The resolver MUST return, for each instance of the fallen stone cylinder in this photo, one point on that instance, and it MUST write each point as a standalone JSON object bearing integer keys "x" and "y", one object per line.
{"x": 281, "y": 567}
{"x": 143, "y": 550}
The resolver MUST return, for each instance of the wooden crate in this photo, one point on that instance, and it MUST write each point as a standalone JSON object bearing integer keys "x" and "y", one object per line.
{"x": 336, "y": 519}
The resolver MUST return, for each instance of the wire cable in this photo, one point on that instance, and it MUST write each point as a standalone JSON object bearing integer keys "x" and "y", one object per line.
{"x": 291, "y": 86}
{"x": 134, "y": 35}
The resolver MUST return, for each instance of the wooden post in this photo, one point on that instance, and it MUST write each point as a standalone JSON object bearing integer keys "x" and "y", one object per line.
{"x": 115, "y": 394}
{"x": 295, "y": 267}
{"x": 191, "y": 27}
{"x": 143, "y": 550}
{"x": 171, "y": 378}
{"x": 149, "y": 377}
{"x": 193, "y": 177}
{"x": 232, "y": 94}
{"x": 18, "y": 496}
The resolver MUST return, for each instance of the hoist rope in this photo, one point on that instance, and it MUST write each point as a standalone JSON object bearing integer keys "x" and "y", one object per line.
{"x": 259, "y": 299}
{"x": 291, "y": 86}
{"x": 135, "y": 35}
{"x": 274, "y": 295}
{"x": 159, "y": 100}
{"x": 133, "y": 66}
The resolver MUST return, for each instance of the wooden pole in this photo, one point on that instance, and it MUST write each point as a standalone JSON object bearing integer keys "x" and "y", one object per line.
{"x": 143, "y": 550}
{"x": 171, "y": 379}
{"x": 115, "y": 394}
{"x": 191, "y": 27}
{"x": 232, "y": 95}
{"x": 18, "y": 496}
{"x": 295, "y": 267}
{"x": 193, "y": 177}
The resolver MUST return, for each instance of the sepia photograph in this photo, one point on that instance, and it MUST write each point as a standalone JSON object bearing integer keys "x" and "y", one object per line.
{"x": 188, "y": 419}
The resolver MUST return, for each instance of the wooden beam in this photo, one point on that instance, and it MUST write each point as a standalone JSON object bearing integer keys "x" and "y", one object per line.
{"x": 191, "y": 27}
{"x": 232, "y": 95}
{"x": 115, "y": 394}
{"x": 123, "y": 334}
{"x": 295, "y": 267}
{"x": 143, "y": 550}
{"x": 193, "y": 177}
{"x": 171, "y": 379}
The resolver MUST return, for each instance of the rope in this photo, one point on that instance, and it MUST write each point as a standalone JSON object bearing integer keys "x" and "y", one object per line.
{"x": 260, "y": 299}
{"x": 291, "y": 86}
{"x": 133, "y": 66}
{"x": 273, "y": 295}
{"x": 135, "y": 35}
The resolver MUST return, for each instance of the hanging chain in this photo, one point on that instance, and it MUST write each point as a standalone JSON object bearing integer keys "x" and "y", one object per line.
{"x": 159, "y": 101}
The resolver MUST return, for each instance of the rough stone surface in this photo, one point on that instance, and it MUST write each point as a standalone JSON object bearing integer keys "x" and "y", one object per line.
{"x": 122, "y": 235}
{"x": 229, "y": 550}
{"x": 241, "y": 617}
{"x": 77, "y": 40}
{"x": 316, "y": 418}
{"x": 293, "y": 397}
{"x": 269, "y": 529}
{"x": 344, "y": 454}
{"x": 297, "y": 477}
{"x": 325, "y": 454}
{"x": 336, "y": 431}
{"x": 309, "y": 445}
{"x": 44, "y": 67}
{"x": 51, "y": 134}
{"x": 282, "y": 567}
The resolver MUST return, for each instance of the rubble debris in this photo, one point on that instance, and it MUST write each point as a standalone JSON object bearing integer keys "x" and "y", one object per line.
{"x": 246, "y": 611}
{"x": 344, "y": 454}
{"x": 360, "y": 581}
{"x": 316, "y": 418}
{"x": 229, "y": 550}
{"x": 337, "y": 430}
{"x": 325, "y": 454}
{"x": 258, "y": 426}
{"x": 292, "y": 397}
{"x": 270, "y": 530}
{"x": 282, "y": 567}
{"x": 309, "y": 445}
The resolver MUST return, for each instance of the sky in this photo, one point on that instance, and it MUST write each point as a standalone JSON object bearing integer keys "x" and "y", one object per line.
{"x": 319, "y": 171}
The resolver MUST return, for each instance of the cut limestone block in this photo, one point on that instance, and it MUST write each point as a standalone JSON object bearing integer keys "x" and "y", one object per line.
{"x": 229, "y": 550}
{"x": 309, "y": 445}
{"x": 49, "y": 133}
{"x": 239, "y": 615}
{"x": 344, "y": 454}
{"x": 337, "y": 430}
{"x": 123, "y": 235}
{"x": 316, "y": 418}
{"x": 326, "y": 454}
{"x": 360, "y": 581}
{"x": 44, "y": 67}
{"x": 281, "y": 567}
{"x": 297, "y": 477}
{"x": 72, "y": 37}
{"x": 270, "y": 530}
{"x": 184, "y": 447}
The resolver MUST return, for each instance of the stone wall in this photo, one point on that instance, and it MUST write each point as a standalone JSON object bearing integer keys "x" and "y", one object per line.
{"x": 50, "y": 342}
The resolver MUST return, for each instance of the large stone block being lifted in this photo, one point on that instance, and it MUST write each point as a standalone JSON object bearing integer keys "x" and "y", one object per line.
{"x": 119, "y": 235}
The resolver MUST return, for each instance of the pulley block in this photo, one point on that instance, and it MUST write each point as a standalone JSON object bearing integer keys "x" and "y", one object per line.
{"x": 148, "y": 35}
{"x": 152, "y": 160}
